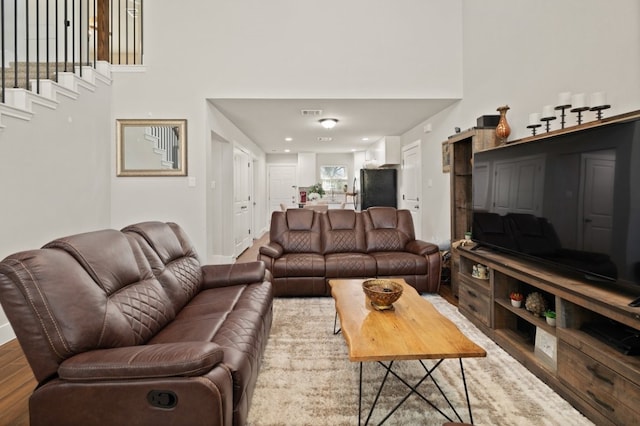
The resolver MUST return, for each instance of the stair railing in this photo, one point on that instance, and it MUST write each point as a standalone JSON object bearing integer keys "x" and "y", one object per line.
{"x": 69, "y": 35}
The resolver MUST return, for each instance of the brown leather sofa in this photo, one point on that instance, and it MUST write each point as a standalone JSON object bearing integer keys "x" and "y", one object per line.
{"x": 126, "y": 327}
{"x": 307, "y": 248}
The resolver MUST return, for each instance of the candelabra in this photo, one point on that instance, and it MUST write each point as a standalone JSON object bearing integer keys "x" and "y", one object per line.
{"x": 561, "y": 108}
{"x": 533, "y": 128}
{"x": 598, "y": 110}
{"x": 579, "y": 111}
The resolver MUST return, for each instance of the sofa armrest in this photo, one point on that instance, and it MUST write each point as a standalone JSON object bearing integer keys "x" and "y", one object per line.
{"x": 232, "y": 274}
{"x": 271, "y": 249}
{"x": 142, "y": 362}
{"x": 421, "y": 248}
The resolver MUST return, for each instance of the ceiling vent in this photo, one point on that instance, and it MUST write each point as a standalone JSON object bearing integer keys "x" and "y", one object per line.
{"x": 311, "y": 112}
{"x": 324, "y": 139}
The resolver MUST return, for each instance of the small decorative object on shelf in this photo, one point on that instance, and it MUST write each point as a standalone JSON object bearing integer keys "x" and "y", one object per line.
{"x": 564, "y": 102}
{"x": 579, "y": 104}
{"x": 516, "y": 299}
{"x": 548, "y": 115}
{"x": 467, "y": 236}
{"x": 536, "y": 304}
{"x": 551, "y": 317}
{"x": 502, "y": 129}
{"x": 534, "y": 122}
{"x": 599, "y": 102}
{"x": 480, "y": 271}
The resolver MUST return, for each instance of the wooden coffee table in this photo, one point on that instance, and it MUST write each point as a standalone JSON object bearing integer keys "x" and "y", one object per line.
{"x": 412, "y": 330}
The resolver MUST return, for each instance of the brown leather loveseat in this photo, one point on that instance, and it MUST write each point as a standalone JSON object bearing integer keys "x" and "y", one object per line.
{"x": 307, "y": 248}
{"x": 127, "y": 328}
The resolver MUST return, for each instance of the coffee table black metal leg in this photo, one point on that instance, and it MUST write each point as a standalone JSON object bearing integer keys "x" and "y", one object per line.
{"x": 413, "y": 389}
{"x": 466, "y": 391}
{"x": 375, "y": 401}
{"x": 360, "y": 397}
{"x": 336, "y": 329}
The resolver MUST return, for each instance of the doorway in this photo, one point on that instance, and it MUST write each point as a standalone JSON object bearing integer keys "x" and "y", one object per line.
{"x": 282, "y": 186}
{"x": 242, "y": 206}
{"x": 411, "y": 179}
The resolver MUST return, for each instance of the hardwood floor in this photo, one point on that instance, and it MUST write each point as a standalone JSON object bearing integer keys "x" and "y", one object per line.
{"x": 16, "y": 384}
{"x": 17, "y": 381}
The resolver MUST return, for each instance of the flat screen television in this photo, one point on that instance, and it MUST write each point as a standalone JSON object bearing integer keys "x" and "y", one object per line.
{"x": 571, "y": 201}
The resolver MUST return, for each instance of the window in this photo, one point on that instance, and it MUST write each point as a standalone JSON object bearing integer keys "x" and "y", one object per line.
{"x": 334, "y": 180}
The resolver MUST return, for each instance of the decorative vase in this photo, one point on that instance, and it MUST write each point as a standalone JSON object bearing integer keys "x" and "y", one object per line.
{"x": 503, "y": 130}
{"x": 551, "y": 321}
{"x": 516, "y": 303}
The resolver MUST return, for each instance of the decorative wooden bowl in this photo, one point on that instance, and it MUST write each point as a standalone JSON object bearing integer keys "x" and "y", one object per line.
{"x": 382, "y": 293}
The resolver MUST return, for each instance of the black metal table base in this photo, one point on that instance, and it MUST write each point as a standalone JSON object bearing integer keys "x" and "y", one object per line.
{"x": 413, "y": 390}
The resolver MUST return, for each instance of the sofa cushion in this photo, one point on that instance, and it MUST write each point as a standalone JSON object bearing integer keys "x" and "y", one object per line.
{"x": 296, "y": 230}
{"x": 299, "y": 265}
{"x": 172, "y": 258}
{"x": 350, "y": 265}
{"x": 134, "y": 303}
{"x": 343, "y": 232}
{"x": 400, "y": 263}
{"x": 387, "y": 229}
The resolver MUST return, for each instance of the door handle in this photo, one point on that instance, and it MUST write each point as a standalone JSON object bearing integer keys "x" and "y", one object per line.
{"x": 417, "y": 207}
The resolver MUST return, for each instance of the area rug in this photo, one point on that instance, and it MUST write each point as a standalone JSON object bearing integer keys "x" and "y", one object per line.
{"x": 307, "y": 379}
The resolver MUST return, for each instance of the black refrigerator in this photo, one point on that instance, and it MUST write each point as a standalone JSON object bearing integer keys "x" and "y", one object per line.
{"x": 378, "y": 188}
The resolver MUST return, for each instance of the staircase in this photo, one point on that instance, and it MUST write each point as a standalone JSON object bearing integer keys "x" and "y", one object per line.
{"x": 74, "y": 32}
{"x": 34, "y": 88}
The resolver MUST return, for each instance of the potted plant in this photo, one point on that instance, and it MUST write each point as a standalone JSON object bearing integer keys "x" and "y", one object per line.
{"x": 315, "y": 192}
{"x": 551, "y": 317}
{"x": 516, "y": 299}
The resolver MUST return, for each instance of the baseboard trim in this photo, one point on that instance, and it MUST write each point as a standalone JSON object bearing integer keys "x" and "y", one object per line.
{"x": 6, "y": 333}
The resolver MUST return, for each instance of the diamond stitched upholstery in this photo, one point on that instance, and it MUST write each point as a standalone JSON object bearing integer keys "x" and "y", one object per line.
{"x": 350, "y": 265}
{"x": 145, "y": 307}
{"x": 384, "y": 240}
{"x": 395, "y": 263}
{"x": 299, "y": 242}
{"x": 189, "y": 275}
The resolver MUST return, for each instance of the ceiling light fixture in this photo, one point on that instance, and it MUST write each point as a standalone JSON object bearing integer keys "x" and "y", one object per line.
{"x": 329, "y": 123}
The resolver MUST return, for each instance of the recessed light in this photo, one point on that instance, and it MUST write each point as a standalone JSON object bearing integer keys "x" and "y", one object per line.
{"x": 287, "y": 150}
{"x": 365, "y": 139}
{"x": 288, "y": 139}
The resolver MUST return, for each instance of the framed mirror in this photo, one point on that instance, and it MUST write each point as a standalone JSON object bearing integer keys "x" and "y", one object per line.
{"x": 151, "y": 147}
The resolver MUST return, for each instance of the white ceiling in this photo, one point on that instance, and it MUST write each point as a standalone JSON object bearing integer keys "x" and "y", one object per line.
{"x": 267, "y": 122}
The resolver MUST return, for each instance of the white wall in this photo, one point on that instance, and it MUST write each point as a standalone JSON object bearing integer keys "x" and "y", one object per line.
{"x": 54, "y": 174}
{"x": 523, "y": 54}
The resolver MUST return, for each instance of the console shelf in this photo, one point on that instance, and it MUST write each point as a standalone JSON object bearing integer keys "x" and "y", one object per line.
{"x": 598, "y": 379}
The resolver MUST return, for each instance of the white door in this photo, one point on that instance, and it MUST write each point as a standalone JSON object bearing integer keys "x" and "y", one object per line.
{"x": 412, "y": 184}
{"x": 598, "y": 173}
{"x": 282, "y": 186}
{"x": 241, "y": 201}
